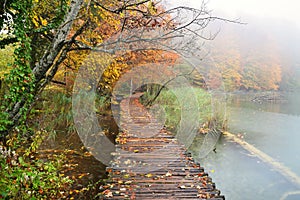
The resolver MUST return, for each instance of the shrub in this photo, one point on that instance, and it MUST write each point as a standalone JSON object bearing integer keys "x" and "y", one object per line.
{"x": 26, "y": 177}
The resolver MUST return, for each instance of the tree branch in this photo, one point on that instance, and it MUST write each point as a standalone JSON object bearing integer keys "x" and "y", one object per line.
{"x": 122, "y": 8}
{"x": 58, "y": 82}
{"x": 150, "y": 102}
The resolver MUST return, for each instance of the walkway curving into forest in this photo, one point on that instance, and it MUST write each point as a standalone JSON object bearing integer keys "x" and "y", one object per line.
{"x": 149, "y": 163}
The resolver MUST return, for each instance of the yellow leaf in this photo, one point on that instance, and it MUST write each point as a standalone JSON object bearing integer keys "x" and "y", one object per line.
{"x": 35, "y": 22}
{"x": 81, "y": 175}
{"x": 44, "y": 22}
{"x": 168, "y": 174}
{"x": 149, "y": 175}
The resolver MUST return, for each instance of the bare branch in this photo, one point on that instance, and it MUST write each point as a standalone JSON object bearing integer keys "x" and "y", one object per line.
{"x": 151, "y": 101}
{"x": 58, "y": 82}
{"x": 123, "y": 7}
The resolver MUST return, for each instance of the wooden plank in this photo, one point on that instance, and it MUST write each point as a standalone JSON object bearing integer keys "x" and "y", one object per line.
{"x": 154, "y": 167}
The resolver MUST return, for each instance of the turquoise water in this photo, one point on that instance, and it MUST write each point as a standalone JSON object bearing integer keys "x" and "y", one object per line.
{"x": 273, "y": 128}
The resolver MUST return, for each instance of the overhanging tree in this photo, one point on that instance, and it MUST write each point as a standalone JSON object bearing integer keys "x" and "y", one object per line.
{"x": 142, "y": 25}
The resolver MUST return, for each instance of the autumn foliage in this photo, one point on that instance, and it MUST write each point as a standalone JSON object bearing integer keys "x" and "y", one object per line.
{"x": 244, "y": 70}
{"x": 103, "y": 25}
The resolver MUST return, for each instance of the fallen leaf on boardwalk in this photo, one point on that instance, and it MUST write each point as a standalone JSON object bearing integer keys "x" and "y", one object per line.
{"x": 87, "y": 154}
{"x": 149, "y": 175}
{"x": 133, "y": 196}
{"x": 110, "y": 194}
{"x": 128, "y": 182}
{"x": 182, "y": 187}
{"x": 136, "y": 151}
{"x": 121, "y": 140}
{"x": 201, "y": 174}
{"x": 107, "y": 193}
{"x": 108, "y": 170}
{"x": 104, "y": 187}
{"x": 127, "y": 162}
{"x": 168, "y": 174}
{"x": 82, "y": 175}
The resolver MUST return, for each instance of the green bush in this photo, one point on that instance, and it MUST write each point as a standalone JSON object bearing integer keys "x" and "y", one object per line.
{"x": 26, "y": 177}
{"x": 211, "y": 111}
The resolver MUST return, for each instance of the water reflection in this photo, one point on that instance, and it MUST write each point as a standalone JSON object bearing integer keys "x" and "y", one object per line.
{"x": 271, "y": 127}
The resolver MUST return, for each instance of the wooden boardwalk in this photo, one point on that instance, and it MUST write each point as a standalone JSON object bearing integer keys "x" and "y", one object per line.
{"x": 150, "y": 164}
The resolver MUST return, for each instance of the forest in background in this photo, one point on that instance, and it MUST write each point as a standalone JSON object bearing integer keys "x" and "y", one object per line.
{"x": 249, "y": 58}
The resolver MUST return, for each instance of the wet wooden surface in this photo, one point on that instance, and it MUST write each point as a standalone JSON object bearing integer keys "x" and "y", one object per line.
{"x": 149, "y": 163}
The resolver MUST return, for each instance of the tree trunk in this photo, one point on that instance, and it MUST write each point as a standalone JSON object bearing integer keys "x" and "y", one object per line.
{"x": 46, "y": 62}
{"x": 58, "y": 42}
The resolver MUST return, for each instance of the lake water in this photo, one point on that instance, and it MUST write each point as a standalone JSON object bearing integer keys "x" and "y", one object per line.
{"x": 273, "y": 128}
